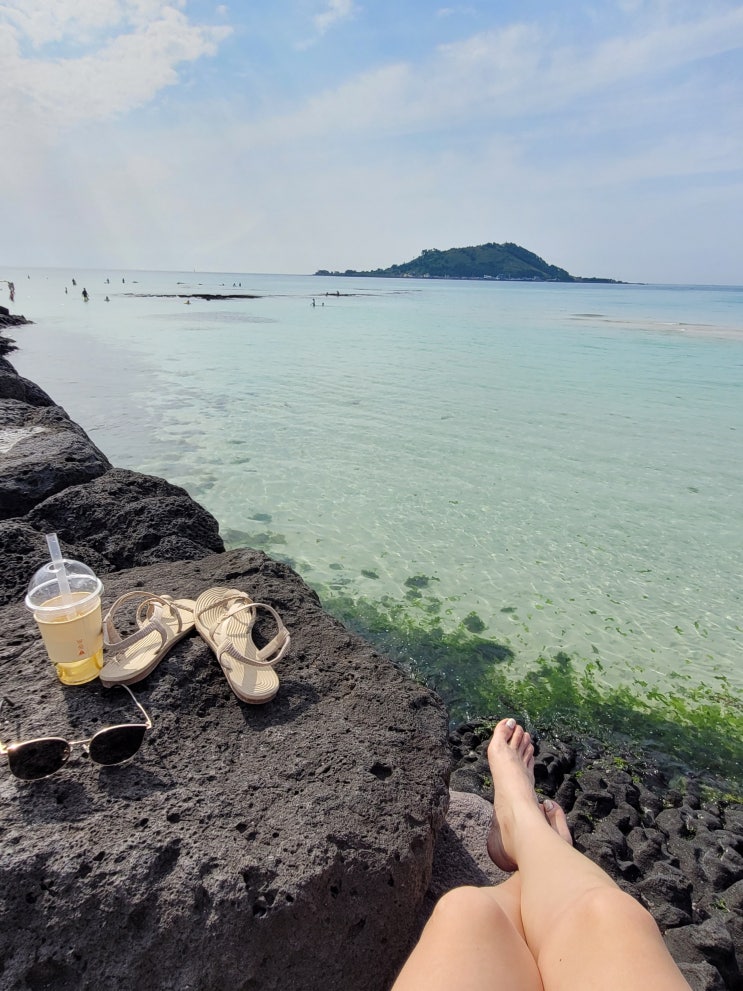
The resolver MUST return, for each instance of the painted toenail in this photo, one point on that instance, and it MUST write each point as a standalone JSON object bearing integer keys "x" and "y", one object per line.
{"x": 511, "y": 723}
{"x": 548, "y": 805}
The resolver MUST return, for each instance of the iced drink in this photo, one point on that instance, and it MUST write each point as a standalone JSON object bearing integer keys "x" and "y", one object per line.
{"x": 69, "y": 620}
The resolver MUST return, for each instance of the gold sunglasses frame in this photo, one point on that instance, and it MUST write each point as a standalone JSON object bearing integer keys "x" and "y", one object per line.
{"x": 8, "y": 748}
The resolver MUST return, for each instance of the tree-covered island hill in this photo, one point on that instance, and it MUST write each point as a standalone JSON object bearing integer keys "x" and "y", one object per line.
{"x": 502, "y": 262}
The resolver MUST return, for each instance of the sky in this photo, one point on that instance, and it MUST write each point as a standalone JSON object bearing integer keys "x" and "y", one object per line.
{"x": 605, "y": 135}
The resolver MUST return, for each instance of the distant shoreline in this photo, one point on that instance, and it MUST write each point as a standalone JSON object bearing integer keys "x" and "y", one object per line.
{"x": 350, "y": 273}
{"x": 506, "y": 262}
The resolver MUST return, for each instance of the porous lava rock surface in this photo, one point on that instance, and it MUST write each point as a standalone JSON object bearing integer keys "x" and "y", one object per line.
{"x": 287, "y": 845}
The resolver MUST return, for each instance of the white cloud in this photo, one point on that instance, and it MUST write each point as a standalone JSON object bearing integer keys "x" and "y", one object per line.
{"x": 503, "y": 75}
{"x": 42, "y": 22}
{"x": 455, "y": 11}
{"x": 518, "y": 133}
{"x": 118, "y": 55}
{"x": 337, "y": 10}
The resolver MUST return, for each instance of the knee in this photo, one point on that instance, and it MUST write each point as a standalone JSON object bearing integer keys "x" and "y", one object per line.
{"x": 610, "y": 909}
{"x": 468, "y": 906}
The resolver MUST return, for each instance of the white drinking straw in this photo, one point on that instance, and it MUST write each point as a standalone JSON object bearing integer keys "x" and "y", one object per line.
{"x": 59, "y": 568}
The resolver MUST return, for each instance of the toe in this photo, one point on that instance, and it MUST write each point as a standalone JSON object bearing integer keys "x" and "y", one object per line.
{"x": 557, "y": 819}
{"x": 506, "y": 727}
{"x": 517, "y": 738}
{"x": 504, "y": 730}
{"x": 525, "y": 745}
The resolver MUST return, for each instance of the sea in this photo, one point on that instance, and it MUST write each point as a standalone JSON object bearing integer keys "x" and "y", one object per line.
{"x": 529, "y": 494}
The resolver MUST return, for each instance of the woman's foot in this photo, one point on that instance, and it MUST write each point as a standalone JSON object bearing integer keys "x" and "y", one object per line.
{"x": 511, "y": 758}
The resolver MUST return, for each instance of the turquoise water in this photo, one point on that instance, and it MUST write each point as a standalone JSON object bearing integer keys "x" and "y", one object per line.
{"x": 552, "y": 469}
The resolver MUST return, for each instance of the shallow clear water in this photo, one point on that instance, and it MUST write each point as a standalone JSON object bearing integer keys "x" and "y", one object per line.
{"x": 559, "y": 466}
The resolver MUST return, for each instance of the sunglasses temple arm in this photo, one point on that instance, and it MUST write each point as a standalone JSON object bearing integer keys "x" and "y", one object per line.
{"x": 139, "y": 706}
{"x": 3, "y": 700}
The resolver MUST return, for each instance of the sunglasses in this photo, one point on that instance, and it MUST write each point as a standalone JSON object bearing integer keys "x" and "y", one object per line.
{"x": 32, "y": 760}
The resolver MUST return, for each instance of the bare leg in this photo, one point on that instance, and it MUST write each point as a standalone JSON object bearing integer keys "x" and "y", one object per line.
{"x": 508, "y": 893}
{"x": 475, "y": 938}
{"x": 470, "y": 944}
{"x": 582, "y": 930}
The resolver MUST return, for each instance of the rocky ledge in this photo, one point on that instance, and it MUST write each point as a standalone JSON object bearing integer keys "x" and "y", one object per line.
{"x": 299, "y": 844}
{"x": 279, "y": 846}
{"x": 288, "y": 845}
{"x": 8, "y": 319}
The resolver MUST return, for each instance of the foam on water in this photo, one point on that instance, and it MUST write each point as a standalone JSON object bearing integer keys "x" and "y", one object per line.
{"x": 557, "y": 465}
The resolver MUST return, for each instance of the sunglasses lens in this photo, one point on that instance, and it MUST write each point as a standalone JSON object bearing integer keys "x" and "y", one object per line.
{"x": 116, "y": 744}
{"x": 37, "y": 758}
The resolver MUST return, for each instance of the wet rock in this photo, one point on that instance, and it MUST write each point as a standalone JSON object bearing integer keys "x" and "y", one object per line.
{"x": 14, "y": 386}
{"x": 625, "y": 817}
{"x": 466, "y": 779}
{"x": 702, "y": 977}
{"x": 721, "y": 864}
{"x": 649, "y": 803}
{"x": 551, "y": 763}
{"x": 130, "y": 519}
{"x": 648, "y": 848}
{"x": 732, "y": 899}
{"x": 593, "y": 803}
{"x": 41, "y": 452}
{"x": 565, "y": 794}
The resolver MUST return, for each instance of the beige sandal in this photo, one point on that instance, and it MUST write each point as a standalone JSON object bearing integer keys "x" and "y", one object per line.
{"x": 225, "y": 618}
{"x": 162, "y": 622}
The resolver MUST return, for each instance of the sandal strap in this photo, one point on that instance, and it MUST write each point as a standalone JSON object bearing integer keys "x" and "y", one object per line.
{"x": 233, "y": 604}
{"x": 265, "y": 657}
{"x": 146, "y": 610}
{"x": 113, "y": 640}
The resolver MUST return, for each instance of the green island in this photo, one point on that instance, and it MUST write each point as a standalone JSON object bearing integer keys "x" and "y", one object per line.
{"x": 500, "y": 262}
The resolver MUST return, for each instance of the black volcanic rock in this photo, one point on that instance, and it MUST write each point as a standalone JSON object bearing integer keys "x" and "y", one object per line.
{"x": 41, "y": 452}
{"x": 130, "y": 519}
{"x": 287, "y": 845}
{"x": 280, "y": 846}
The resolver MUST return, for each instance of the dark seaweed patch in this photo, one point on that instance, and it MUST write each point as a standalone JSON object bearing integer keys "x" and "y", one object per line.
{"x": 691, "y": 728}
{"x": 419, "y": 581}
{"x": 473, "y": 623}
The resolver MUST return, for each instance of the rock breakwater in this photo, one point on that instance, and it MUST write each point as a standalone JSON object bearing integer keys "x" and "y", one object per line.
{"x": 280, "y": 846}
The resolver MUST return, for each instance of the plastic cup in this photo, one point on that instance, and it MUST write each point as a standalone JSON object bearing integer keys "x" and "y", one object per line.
{"x": 67, "y": 609}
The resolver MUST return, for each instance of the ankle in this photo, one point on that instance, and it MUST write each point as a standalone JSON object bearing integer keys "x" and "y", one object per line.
{"x": 518, "y": 821}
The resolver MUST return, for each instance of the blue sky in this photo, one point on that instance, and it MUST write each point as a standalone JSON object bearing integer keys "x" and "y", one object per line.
{"x": 606, "y": 135}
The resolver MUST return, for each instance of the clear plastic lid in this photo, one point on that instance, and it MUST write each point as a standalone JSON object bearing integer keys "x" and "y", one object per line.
{"x": 59, "y": 584}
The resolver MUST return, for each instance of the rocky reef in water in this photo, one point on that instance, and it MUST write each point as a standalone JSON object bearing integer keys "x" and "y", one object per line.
{"x": 297, "y": 844}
